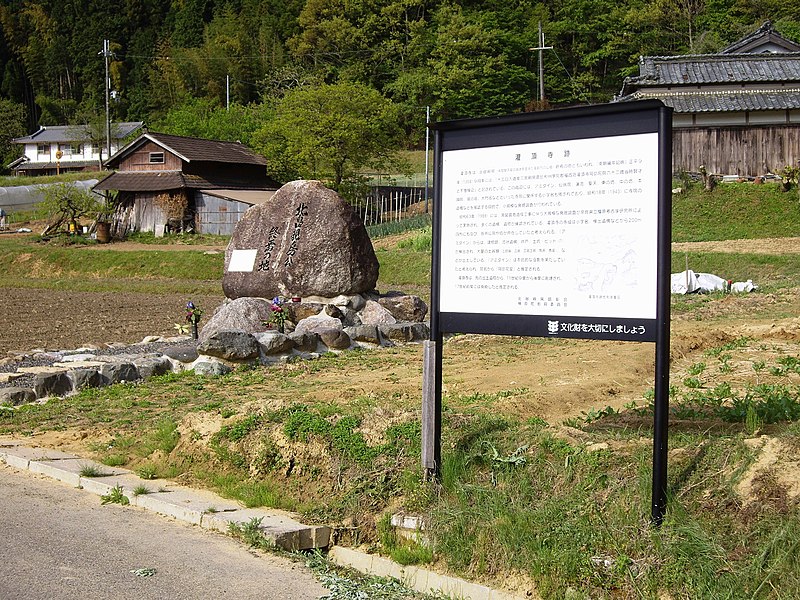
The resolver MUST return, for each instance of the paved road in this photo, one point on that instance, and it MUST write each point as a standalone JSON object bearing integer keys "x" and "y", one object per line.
{"x": 59, "y": 543}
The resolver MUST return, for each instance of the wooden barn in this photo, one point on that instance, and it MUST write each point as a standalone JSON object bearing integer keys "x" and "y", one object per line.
{"x": 736, "y": 112}
{"x": 175, "y": 183}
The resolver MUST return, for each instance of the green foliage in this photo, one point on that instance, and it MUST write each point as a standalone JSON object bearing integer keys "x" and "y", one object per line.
{"x": 115, "y": 496}
{"x": 250, "y": 533}
{"x": 421, "y": 242}
{"x": 330, "y": 132}
{"x": 733, "y": 211}
{"x": 90, "y": 470}
{"x": 70, "y": 201}
{"x": 395, "y": 227}
{"x": 12, "y": 125}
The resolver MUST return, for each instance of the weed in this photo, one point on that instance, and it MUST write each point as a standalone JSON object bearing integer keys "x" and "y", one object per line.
{"x": 251, "y": 534}
{"x": 140, "y": 490}
{"x": 147, "y": 472}
{"x": 400, "y": 549}
{"x": 90, "y": 470}
{"x": 115, "y": 496}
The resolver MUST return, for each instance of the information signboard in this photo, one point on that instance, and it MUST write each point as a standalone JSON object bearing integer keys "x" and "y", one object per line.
{"x": 554, "y": 224}
{"x": 550, "y": 237}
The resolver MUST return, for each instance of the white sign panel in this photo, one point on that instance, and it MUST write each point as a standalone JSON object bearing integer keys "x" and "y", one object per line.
{"x": 551, "y": 228}
{"x": 242, "y": 261}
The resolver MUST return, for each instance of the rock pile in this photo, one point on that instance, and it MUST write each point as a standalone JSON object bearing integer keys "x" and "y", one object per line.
{"x": 240, "y": 330}
{"x": 238, "y": 333}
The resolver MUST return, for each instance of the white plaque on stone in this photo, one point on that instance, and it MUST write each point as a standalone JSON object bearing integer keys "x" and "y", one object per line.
{"x": 242, "y": 261}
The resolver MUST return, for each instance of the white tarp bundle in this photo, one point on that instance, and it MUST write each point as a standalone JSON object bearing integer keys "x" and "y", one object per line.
{"x": 689, "y": 282}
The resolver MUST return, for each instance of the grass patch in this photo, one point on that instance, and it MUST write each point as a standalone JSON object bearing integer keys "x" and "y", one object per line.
{"x": 735, "y": 211}
{"x": 89, "y": 470}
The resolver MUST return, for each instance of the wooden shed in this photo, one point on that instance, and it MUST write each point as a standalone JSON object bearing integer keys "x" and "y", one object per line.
{"x": 736, "y": 112}
{"x": 175, "y": 183}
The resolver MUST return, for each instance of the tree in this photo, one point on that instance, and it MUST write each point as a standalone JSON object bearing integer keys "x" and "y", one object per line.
{"x": 330, "y": 132}
{"x": 12, "y": 125}
{"x": 66, "y": 202}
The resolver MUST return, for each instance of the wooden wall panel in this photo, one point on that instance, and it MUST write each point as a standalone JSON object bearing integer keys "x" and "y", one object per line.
{"x": 744, "y": 151}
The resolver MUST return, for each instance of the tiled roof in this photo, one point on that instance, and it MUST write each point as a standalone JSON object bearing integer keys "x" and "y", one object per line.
{"x": 159, "y": 181}
{"x": 192, "y": 149}
{"x": 142, "y": 181}
{"x": 716, "y": 69}
{"x": 64, "y": 165}
{"x": 73, "y": 133}
{"x": 764, "y": 35}
{"x": 722, "y": 101}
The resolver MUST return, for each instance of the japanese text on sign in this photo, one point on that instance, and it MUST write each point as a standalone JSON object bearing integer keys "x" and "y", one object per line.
{"x": 556, "y": 228}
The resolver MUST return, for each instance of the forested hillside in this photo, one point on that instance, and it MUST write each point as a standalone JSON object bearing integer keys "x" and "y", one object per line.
{"x": 175, "y": 63}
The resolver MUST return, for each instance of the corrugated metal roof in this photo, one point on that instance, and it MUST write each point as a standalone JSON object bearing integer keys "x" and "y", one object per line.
{"x": 74, "y": 133}
{"x": 710, "y": 101}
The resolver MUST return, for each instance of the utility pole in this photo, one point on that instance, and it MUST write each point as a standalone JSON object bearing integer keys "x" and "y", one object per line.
{"x": 541, "y": 47}
{"x": 107, "y": 55}
{"x": 227, "y": 92}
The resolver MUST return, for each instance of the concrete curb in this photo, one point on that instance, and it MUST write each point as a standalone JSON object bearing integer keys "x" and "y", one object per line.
{"x": 417, "y": 578}
{"x": 212, "y": 512}
{"x": 198, "y": 507}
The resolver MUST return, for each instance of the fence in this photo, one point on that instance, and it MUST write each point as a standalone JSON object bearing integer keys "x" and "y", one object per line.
{"x": 383, "y": 204}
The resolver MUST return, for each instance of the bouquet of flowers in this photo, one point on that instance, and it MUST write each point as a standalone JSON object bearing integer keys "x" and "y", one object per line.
{"x": 193, "y": 313}
{"x": 278, "y": 317}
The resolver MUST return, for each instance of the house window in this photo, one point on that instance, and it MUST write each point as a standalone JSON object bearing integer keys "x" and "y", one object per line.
{"x": 66, "y": 149}
{"x": 43, "y": 149}
{"x": 95, "y": 148}
{"x": 76, "y": 149}
{"x": 156, "y": 158}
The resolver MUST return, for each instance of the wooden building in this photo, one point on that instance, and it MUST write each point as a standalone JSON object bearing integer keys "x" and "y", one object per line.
{"x": 175, "y": 183}
{"x": 736, "y": 112}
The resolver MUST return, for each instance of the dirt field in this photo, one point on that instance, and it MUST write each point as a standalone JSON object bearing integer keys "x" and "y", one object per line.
{"x": 560, "y": 380}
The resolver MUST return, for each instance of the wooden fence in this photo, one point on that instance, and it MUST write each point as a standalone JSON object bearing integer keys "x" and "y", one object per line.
{"x": 745, "y": 151}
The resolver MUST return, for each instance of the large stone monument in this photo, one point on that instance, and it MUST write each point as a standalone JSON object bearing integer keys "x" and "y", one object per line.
{"x": 304, "y": 241}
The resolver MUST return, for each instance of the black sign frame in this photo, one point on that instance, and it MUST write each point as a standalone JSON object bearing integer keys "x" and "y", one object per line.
{"x": 630, "y": 118}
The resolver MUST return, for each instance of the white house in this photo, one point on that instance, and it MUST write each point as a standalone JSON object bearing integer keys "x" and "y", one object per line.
{"x": 60, "y": 148}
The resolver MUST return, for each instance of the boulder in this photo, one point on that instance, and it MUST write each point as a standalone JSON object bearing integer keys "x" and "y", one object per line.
{"x": 52, "y": 384}
{"x": 304, "y": 341}
{"x": 150, "y": 366}
{"x": 406, "y": 332}
{"x": 13, "y": 396}
{"x": 183, "y": 354}
{"x": 296, "y": 312}
{"x": 117, "y": 372}
{"x": 363, "y": 333}
{"x": 375, "y": 314}
{"x": 230, "y": 345}
{"x": 243, "y": 314}
{"x": 304, "y": 241}
{"x": 335, "y": 339}
{"x": 86, "y": 378}
{"x": 405, "y": 307}
{"x": 211, "y": 367}
{"x": 318, "y": 323}
{"x": 273, "y": 342}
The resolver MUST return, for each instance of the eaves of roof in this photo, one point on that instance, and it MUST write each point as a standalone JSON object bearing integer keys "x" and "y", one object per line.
{"x": 722, "y": 101}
